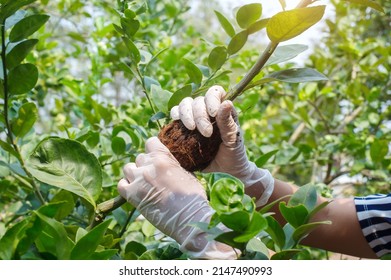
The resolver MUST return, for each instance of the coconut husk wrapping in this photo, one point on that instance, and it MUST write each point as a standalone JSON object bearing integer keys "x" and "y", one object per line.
{"x": 193, "y": 151}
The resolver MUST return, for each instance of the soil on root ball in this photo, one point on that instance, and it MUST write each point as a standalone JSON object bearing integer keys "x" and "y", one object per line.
{"x": 193, "y": 151}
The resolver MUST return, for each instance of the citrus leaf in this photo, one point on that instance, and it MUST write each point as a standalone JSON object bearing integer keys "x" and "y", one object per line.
{"x": 224, "y": 22}
{"x": 295, "y": 215}
{"x": 177, "y": 97}
{"x": 237, "y": 221}
{"x": 294, "y": 75}
{"x": 19, "y": 52}
{"x": 257, "y": 224}
{"x": 306, "y": 195}
{"x": 262, "y": 160}
{"x": 118, "y": 145}
{"x": 276, "y": 232}
{"x": 217, "y": 57}
{"x": 54, "y": 238}
{"x": 237, "y": 42}
{"x": 134, "y": 52}
{"x": 193, "y": 71}
{"x": 303, "y": 230}
{"x": 160, "y": 97}
{"x": 27, "y": 116}
{"x": 27, "y": 27}
{"x": 87, "y": 244}
{"x": 10, "y": 240}
{"x": 257, "y": 26}
{"x": 22, "y": 78}
{"x": 285, "y": 53}
{"x": 68, "y": 165}
{"x": 9, "y": 7}
{"x": 248, "y": 14}
{"x": 289, "y": 24}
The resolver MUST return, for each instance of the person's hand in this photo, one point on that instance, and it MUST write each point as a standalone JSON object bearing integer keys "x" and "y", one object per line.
{"x": 231, "y": 157}
{"x": 171, "y": 199}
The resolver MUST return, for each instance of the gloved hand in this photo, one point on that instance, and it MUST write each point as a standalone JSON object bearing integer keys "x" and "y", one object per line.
{"x": 231, "y": 157}
{"x": 171, "y": 198}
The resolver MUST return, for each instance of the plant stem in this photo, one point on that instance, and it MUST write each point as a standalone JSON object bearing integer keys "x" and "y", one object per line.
{"x": 6, "y": 117}
{"x": 130, "y": 216}
{"x": 255, "y": 69}
{"x": 106, "y": 207}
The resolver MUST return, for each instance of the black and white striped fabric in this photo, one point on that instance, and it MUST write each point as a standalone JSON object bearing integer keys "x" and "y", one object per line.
{"x": 374, "y": 215}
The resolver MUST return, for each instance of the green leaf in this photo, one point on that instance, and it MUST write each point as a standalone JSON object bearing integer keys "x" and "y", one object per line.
{"x": 9, "y": 7}
{"x": 22, "y": 78}
{"x": 262, "y": 160}
{"x": 306, "y": 195}
{"x": 224, "y": 22}
{"x": 289, "y": 24}
{"x": 302, "y": 231}
{"x": 237, "y": 42}
{"x": 294, "y": 75}
{"x": 54, "y": 238}
{"x": 257, "y": 26}
{"x": 87, "y": 245}
{"x": 8, "y": 148}
{"x": 193, "y": 71}
{"x": 9, "y": 242}
{"x": 368, "y": 3}
{"x": 27, "y": 27}
{"x": 177, "y": 97}
{"x": 378, "y": 150}
{"x": 14, "y": 19}
{"x": 68, "y": 165}
{"x": 160, "y": 98}
{"x": 295, "y": 215}
{"x": 51, "y": 209}
{"x": 256, "y": 245}
{"x": 134, "y": 52}
{"x": 27, "y": 116}
{"x": 226, "y": 195}
{"x": 130, "y": 26}
{"x": 118, "y": 145}
{"x": 134, "y": 247}
{"x": 286, "y": 254}
{"x": 318, "y": 208}
{"x": 148, "y": 82}
{"x": 248, "y": 14}
{"x": 276, "y": 232}
{"x": 237, "y": 221}
{"x": 257, "y": 224}
{"x": 67, "y": 208}
{"x": 217, "y": 57}
{"x": 228, "y": 238}
{"x": 19, "y": 52}
{"x": 285, "y": 53}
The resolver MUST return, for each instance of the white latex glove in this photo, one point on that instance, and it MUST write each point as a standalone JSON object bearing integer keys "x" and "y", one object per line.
{"x": 171, "y": 198}
{"x": 231, "y": 157}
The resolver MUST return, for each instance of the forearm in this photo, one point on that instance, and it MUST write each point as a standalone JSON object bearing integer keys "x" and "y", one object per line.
{"x": 344, "y": 235}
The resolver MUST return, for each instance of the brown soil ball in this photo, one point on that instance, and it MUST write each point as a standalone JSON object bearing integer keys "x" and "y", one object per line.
{"x": 193, "y": 151}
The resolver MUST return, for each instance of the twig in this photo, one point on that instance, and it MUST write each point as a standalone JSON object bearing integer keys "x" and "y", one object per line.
{"x": 106, "y": 207}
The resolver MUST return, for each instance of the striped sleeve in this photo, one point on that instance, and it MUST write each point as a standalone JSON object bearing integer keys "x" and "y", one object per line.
{"x": 374, "y": 216}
